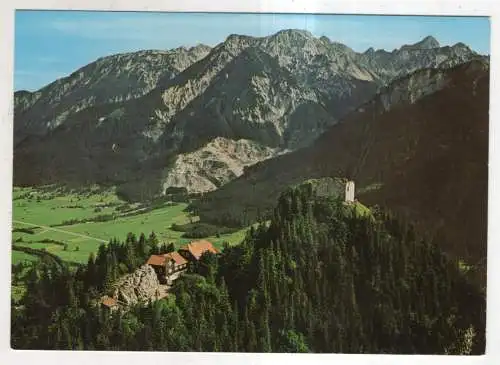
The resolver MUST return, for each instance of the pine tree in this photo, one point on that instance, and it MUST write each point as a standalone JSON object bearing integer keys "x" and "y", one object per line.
{"x": 131, "y": 259}
{"x": 142, "y": 249}
{"x": 170, "y": 247}
{"x": 152, "y": 243}
{"x": 264, "y": 338}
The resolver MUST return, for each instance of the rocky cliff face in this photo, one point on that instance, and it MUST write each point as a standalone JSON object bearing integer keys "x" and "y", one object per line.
{"x": 215, "y": 164}
{"x": 140, "y": 286}
{"x": 252, "y": 98}
{"x": 411, "y": 88}
{"x": 149, "y": 116}
{"x": 110, "y": 79}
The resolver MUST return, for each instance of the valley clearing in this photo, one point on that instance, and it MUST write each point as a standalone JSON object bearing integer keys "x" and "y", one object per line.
{"x": 72, "y": 225}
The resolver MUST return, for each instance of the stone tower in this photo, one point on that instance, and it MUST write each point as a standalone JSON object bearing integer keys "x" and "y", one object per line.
{"x": 349, "y": 192}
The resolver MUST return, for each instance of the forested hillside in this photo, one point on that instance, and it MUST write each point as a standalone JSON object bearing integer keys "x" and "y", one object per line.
{"x": 321, "y": 276}
{"x": 424, "y": 158}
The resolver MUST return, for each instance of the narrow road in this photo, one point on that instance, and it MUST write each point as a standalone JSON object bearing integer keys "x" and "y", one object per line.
{"x": 60, "y": 230}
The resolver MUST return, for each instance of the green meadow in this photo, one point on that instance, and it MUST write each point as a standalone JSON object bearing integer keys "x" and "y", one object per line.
{"x": 51, "y": 220}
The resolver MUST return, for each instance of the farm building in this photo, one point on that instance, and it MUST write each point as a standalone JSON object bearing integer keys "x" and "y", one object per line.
{"x": 194, "y": 250}
{"x": 167, "y": 264}
{"x": 174, "y": 262}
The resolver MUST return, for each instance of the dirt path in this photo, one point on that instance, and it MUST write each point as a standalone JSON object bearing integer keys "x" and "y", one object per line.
{"x": 60, "y": 230}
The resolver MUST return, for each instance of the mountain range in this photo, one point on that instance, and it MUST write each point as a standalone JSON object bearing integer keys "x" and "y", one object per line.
{"x": 419, "y": 149}
{"x": 199, "y": 117}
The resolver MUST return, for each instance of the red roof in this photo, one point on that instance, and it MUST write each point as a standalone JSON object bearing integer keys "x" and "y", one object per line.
{"x": 108, "y": 302}
{"x": 197, "y": 248}
{"x": 156, "y": 260}
{"x": 178, "y": 259}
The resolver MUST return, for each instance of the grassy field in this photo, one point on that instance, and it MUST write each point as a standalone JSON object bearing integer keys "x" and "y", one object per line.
{"x": 38, "y": 216}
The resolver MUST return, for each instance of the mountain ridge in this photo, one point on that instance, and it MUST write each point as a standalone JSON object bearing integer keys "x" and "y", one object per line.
{"x": 425, "y": 158}
{"x": 300, "y": 86}
{"x": 131, "y": 74}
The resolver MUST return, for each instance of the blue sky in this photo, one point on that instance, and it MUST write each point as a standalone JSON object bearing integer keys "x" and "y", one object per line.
{"x": 52, "y": 44}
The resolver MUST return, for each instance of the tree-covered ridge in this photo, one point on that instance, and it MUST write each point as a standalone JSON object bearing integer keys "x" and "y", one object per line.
{"x": 316, "y": 278}
{"x": 426, "y": 161}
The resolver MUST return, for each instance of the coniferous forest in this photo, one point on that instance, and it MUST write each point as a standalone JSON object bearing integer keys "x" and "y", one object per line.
{"x": 320, "y": 276}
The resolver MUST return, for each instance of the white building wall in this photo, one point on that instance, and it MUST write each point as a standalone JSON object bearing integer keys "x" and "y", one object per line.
{"x": 349, "y": 191}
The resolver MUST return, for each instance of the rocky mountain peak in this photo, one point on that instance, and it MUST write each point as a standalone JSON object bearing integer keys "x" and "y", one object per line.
{"x": 325, "y": 39}
{"x": 200, "y": 48}
{"x": 235, "y": 43}
{"x": 294, "y": 33}
{"x": 461, "y": 47}
{"x": 428, "y": 42}
{"x": 342, "y": 48}
{"x": 197, "y": 49}
{"x": 288, "y": 41}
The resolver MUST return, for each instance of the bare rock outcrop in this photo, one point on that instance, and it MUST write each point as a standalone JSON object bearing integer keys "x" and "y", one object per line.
{"x": 138, "y": 287}
{"x": 215, "y": 164}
